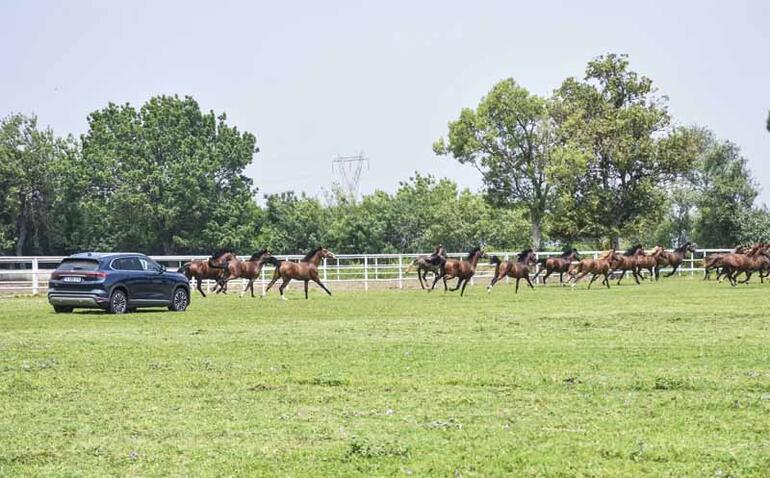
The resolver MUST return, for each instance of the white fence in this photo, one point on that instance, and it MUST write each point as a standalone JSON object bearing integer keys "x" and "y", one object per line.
{"x": 29, "y": 275}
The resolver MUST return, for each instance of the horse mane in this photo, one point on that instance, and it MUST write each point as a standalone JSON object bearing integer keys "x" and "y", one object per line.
{"x": 632, "y": 250}
{"x": 567, "y": 252}
{"x": 682, "y": 247}
{"x": 520, "y": 257}
{"x": 310, "y": 254}
{"x": 221, "y": 253}
{"x": 257, "y": 255}
{"x": 494, "y": 260}
{"x": 474, "y": 251}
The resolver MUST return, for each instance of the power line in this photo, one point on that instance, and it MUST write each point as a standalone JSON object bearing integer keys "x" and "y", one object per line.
{"x": 346, "y": 172}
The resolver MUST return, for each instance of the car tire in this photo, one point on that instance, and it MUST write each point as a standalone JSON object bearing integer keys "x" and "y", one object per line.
{"x": 118, "y": 303}
{"x": 179, "y": 300}
{"x": 62, "y": 309}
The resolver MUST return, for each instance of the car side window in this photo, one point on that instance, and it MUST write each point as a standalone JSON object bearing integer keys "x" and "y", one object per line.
{"x": 127, "y": 264}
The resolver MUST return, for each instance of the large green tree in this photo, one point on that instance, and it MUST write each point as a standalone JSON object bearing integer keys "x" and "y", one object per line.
{"x": 725, "y": 194}
{"x": 166, "y": 178}
{"x": 31, "y": 173}
{"x": 619, "y": 151}
{"x": 509, "y": 139}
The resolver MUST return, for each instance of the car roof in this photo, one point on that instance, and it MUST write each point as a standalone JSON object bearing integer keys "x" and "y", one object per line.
{"x": 102, "y": 255}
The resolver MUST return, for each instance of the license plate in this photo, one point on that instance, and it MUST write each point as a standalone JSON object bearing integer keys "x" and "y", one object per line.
{"x": 72, "y": 279}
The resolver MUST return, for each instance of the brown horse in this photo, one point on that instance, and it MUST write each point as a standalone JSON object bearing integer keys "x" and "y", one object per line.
{"x": 518, "y": 269}
{"x": 212, "y": 268}
{"x": 304, "y": 270}
{"x": 463, "y": 270}
{"x": 673, "y": 259}
{"x": 647, "y": 261}
{"x": 425, "y": 264}
{"x": 248, "y": 269}
{"x": 759, "y": 262}
{"x": 734, "y": 263}
{"x": 597, "y": 267}
{"x": 628, "y": 262}
{"x": 559, "y": 264}
{"x": 711, "y": 262}
{"x": 238, "y": 269}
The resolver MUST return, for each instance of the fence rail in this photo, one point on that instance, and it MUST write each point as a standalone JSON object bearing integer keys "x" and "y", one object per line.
{"x": 29, "y": 275}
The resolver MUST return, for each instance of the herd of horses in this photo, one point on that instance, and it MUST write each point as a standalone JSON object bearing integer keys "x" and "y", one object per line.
{"x": 224, "y": 266}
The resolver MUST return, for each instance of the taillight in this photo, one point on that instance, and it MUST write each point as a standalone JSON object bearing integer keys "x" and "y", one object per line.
{"x": 96, "y": 275}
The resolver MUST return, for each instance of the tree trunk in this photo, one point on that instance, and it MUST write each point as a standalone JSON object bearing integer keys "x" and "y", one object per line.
{"x": 615, "y": 242}
{"x": 537, "y": 234}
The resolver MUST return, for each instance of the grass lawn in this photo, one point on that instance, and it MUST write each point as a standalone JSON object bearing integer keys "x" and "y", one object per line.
{"x": 666, "y": 379}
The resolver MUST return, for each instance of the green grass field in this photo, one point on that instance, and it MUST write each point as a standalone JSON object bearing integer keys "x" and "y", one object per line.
{"x": 667, "y": 379}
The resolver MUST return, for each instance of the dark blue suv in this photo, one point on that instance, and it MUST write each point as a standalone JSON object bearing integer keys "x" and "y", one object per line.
{"x": 117, "y": 283}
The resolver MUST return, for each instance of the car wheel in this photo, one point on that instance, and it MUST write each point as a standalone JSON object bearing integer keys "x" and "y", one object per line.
{"x": 62, "y": 309}
{"x": 118, "y": 303}
{"x": 179, "y": 300}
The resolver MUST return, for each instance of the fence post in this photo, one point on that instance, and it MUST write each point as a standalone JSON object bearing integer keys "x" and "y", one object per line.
{"x": 338, "y": 269}
{"x": 366, "y": 272}
{"x": 400, "y": 271}
{"x": 324, "y": 269}
{"x": 262, "y": 280}
{"x": 35, "y": 279}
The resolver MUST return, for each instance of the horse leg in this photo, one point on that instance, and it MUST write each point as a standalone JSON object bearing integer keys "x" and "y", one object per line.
{"x": 529, "y": 282}
{"x": 314, "y": 277}
{"x": 200, "y": 289}
{"x": 306, "y": 290}
{"x": 592, "y": 280}
{"x": 251, "y": 286}
{"x": 517, "y": 285}
{"x": 283, "y": 286}
{"x": 462, "y": 291}
{"x": 607, "y": 279}
{"x": 445, "y": 286}
{"x": 672, "y": 271}
{"x": 549, "y": 273}
{"x": 419, "y": 278}
{"x": 561, "y": 278}
{"x": 621, "y": 276}
{"x": 276, "y": 276}
{"x": 459, "y": 281}
{"x": 636, "y": 276}
{"x": 435, "y": 280}
{"x": 492, "y": 284}
{"x": 576, "y": 278}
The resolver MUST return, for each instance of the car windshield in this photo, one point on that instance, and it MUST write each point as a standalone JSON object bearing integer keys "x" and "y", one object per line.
{"x": 78, "y": 265}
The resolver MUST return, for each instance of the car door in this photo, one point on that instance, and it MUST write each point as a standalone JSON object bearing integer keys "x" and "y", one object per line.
{"x": 132, "y": 276}
{"x": 154, "y": 287}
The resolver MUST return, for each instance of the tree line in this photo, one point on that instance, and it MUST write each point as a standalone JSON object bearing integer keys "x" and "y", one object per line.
{"x": 597, "y": 162}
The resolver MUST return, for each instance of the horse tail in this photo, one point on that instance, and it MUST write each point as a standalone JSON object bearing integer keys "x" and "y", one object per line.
{"x": 272, "y": 261}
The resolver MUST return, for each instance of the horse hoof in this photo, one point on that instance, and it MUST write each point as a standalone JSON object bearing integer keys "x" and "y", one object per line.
{"x": 283, "y": 297}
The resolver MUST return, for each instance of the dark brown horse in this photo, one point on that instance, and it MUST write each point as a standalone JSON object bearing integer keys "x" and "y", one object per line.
{"x": 425, "y": 264}
{"x": 213, "y": 268}
{"x": 760, "y": 262}
{"x": 518, "y": 269}
{"x": 711, "y": 263}
{"x": 559, "y": 264}
{"x": 463, "y": 270}
{"x": 600, "y": 266}
{"x": 248, "y": 269}
{"x": 628, "y": 262}
{"x": 304, "y": 270}
{"x": 647, "y": 261}
{"x": 673, "y": 259}
{"x": 734, "y": 263}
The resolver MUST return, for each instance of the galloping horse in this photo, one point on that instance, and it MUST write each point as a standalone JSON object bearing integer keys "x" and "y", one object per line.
{"x": 462, "y": 270}
{"x": 628, "y": 262}
{"x": 647, "y": 261}
{"x": 516, "y": 270}
{"x": 673, "y": 259}
{"x": 248, "y": 269}
{"x": 212, "y": 268}
{"x": 305, "y": 270}
{"x": 734, "y": 263}
{"x": 760, "y": 262}
{"x": 558, "y": 264}
{"x": 425, "y": 264}
{"x": 711, "y": 262}
{"x": 597, "y": 267}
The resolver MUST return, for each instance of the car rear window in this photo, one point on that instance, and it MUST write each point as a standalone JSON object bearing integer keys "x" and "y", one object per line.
{"x": 78, "y": 265}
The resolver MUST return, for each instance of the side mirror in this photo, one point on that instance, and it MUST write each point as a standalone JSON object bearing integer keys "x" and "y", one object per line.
{"x": 160, "y": 269}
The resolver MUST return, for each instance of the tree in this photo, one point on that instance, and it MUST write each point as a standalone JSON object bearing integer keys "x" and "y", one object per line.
{"x": 725, "y": 193}
{"x": 293, "y": 223}
{"x": 619, "y": 149}
{"x": 166, "y": 178}
{"x": 30, "y": 169}
{"x": 509, "y": 139}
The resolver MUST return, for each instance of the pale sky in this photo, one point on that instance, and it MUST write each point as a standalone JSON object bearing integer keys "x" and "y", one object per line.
{"x": 315, "y": 79}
